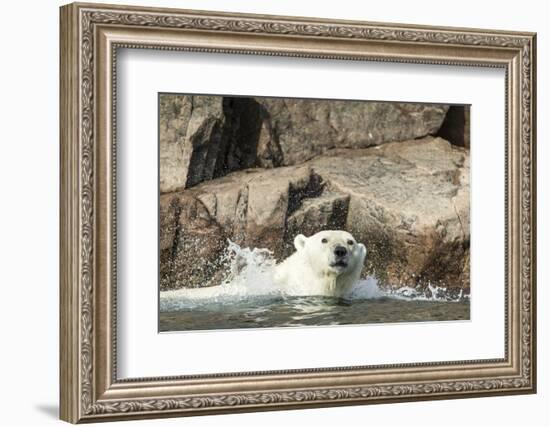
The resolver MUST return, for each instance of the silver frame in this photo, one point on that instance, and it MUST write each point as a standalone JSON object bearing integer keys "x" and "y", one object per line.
{"x": 90, "y": 37}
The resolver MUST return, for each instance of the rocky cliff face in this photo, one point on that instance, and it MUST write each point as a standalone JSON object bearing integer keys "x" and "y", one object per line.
{"x": 260, "y": 171}
{"x": 296, "y": 130}
{"x": 205, "y": 137}
{"x": 192, "y": 136}
{"x": 410, "y": 205}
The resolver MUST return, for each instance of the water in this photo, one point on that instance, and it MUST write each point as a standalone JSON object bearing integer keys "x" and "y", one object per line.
{"x": 248, "y": 299}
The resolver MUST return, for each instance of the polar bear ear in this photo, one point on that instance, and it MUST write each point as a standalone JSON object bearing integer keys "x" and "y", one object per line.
{"x": 300, "y": 242}
{"x": 362, "y": 249}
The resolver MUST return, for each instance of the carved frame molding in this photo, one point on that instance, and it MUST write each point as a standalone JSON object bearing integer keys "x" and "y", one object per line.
{"x": 90, "y": 37}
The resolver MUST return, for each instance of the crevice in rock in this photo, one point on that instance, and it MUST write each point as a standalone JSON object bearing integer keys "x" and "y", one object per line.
{"x": 196, "y": 171}
{"x": 312, "y": 207}
{"x": 296, "y": 193}
{"x": 213, "y": 150}
{"x": 240, "y": 135}
{"x": 275, "y": 149}
{"x": 456, "y": 126}
{"x": 270, "y": 154}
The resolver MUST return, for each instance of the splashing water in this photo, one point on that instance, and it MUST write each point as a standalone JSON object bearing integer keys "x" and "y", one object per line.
{"x": 250, "y": 279}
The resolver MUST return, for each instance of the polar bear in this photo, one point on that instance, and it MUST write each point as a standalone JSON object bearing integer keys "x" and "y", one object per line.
{"x": 328, "y": 263}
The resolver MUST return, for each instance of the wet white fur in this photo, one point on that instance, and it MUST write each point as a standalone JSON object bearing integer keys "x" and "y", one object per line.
{"x": 308, "y": 271}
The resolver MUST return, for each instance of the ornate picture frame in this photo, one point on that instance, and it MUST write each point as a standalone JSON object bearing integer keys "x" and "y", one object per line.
{"x": 90, "y": 37}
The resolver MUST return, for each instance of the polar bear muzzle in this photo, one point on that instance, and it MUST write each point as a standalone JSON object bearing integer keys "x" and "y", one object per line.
{"x": 341, "y": 257}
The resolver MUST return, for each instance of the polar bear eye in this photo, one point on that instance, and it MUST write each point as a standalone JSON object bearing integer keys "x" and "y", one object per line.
{"x": 324, "y": 241}
{"x": 350, "y": 242}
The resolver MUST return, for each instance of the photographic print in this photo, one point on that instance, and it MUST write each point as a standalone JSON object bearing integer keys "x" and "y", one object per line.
{"x": 278, "y": 212}
{"x": 200, "y": 205}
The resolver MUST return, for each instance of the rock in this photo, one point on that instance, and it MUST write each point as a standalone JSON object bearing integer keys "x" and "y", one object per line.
{"x": 456, "y": 126}
{"x": 251, "y": 208}
{"x": 252, "y": 205}
{"x": 194, "y": 256}
{"x": 296, "y": 130}
{"x": 329, "y": 211}
{"x": 192, "y": 134}
{"x": 407, "y": 202}
{"x": 168, "y": 214}
{"x": 243, "y": 127}
{"x": 409, "y": 205}
{"x": 206, "y": 137}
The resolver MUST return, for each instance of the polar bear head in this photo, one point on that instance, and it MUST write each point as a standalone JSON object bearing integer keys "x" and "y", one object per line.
{"x": 332, "y": 252}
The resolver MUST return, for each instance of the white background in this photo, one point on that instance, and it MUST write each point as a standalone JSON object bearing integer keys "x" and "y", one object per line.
{"x": 141, "y": 348}
{"x": 29, "y": 171}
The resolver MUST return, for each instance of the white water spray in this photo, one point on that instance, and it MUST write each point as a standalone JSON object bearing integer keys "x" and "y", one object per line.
{"x": 250, "y": 275}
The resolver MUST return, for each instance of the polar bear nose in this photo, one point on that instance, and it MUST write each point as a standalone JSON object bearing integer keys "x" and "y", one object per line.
{"x": 340, "y": 251}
